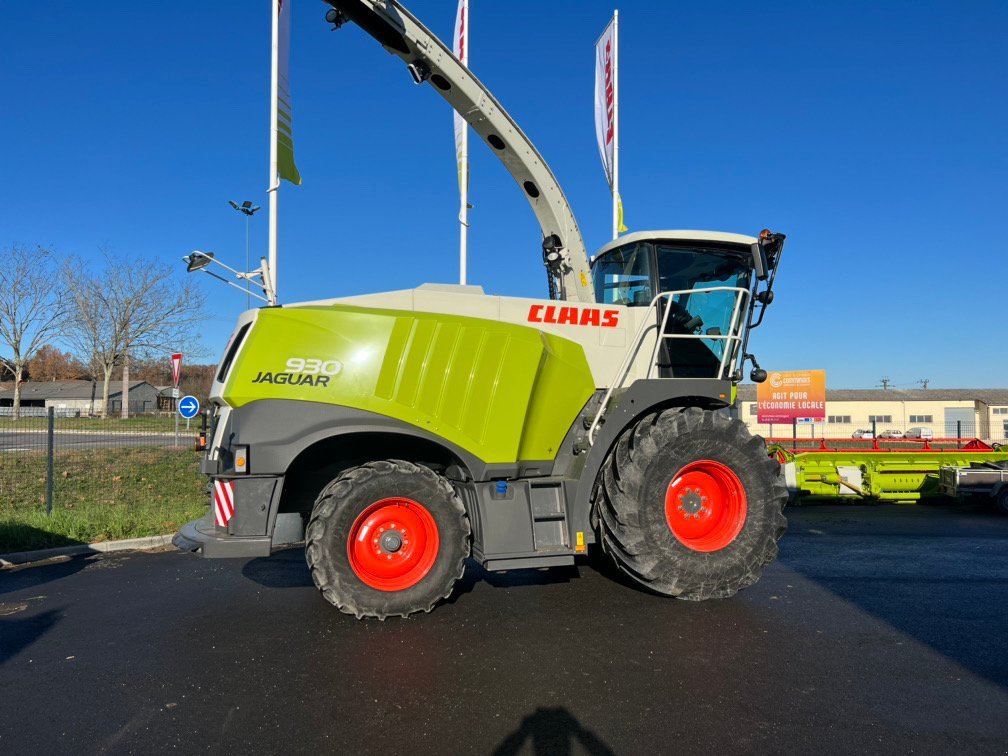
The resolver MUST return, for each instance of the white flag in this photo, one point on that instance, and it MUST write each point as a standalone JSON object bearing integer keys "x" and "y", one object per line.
{"x": 283, "y": 134}
{"x": 460, "y": 46}
{"x": 604, "y": 100}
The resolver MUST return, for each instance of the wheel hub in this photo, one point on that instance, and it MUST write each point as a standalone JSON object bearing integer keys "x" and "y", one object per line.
{"x": 692, "y": 503}
{"x": 705, "y": 505}
{"x": 391, "y": 541}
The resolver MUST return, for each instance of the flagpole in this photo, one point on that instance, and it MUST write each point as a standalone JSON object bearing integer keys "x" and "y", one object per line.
{"x": 274, "y": 174}
{"x": 615, "y": 160}
{"x": 464, "y": 209}
{"x": 463, "y": 45}
{"x": 464, "y": 196}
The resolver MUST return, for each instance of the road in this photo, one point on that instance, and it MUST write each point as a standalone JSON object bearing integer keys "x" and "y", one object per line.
{"x": 35, "y": 440}
{"x": 881, "y": 629}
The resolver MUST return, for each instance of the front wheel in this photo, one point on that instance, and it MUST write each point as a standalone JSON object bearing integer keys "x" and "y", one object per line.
{"x": 690, "y": 505}
{"x": 387, "y": 538}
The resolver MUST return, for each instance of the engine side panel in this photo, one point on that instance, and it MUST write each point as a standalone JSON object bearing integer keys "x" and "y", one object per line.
{"x": 500, "y": 391}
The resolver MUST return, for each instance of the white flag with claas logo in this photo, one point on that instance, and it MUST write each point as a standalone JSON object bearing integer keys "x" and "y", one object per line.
{"x": 604, "y": 99}
{"x": 460, "y": 46}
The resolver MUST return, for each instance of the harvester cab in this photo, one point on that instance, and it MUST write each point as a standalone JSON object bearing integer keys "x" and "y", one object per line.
{"x": 709, "y": 291}
{"x": 400, "y": 433}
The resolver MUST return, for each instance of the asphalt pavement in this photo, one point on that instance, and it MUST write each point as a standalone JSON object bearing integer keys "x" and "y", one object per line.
{"x": 35, "y": 440}
{"x": 881, "y": 629}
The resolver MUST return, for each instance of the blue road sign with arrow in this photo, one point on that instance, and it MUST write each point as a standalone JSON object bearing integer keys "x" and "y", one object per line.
{"x": 188, "y": 406}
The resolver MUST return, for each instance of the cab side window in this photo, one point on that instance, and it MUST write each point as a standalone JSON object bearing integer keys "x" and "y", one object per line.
{"x": 623, "y": 276}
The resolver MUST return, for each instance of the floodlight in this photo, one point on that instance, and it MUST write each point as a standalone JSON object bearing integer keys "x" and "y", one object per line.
{"x": 198, "y": 260}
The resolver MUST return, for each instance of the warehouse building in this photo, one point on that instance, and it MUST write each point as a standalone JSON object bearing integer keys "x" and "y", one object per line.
{"x": 947, "y": 413}
{"x": 78, "y": 397}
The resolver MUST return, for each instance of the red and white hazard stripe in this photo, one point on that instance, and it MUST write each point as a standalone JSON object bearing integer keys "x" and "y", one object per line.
{"x": 223, "y": 501}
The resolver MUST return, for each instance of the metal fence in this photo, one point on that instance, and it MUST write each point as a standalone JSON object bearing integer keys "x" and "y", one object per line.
{"x": 921, "y": 435}
{"x": 53, "y": 463}
{"x": 38, "y": 412}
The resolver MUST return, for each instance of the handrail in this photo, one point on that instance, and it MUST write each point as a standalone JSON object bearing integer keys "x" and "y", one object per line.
{"x": 735, "y": 327}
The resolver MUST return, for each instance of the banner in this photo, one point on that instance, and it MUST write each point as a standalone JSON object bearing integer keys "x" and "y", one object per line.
{"x": 605, "y": 104}
{"x": 460, "y": 47}
{"x": 798, "y": 395}
{"x": 284, "y": 134}
{"x": 620, "y": 225}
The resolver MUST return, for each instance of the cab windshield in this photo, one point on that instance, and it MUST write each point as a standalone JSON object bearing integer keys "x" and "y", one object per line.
{"x": 698, "y": 269}
{"x": 624, "y": 276}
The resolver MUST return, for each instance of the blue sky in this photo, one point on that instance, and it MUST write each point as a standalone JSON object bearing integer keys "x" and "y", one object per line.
{"x": 873, "y": 134}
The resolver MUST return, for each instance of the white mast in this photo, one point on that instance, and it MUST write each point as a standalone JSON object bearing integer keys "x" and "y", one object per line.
{"x": 464, "y": 212}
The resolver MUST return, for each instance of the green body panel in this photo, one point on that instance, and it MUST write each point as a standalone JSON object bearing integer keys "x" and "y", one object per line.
{"x": 500, "y": 391}
{"x": 896, "y": 475}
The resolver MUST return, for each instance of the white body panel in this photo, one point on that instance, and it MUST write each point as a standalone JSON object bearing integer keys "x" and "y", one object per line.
{"x": 604, "y": 346}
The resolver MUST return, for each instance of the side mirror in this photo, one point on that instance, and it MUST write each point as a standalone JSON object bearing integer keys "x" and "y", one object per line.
{"x": 759, "y": 260}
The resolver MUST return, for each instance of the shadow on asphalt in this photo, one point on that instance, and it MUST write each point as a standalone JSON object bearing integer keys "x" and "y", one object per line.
{"x": 552, "y": 731}
{"x": 934, "y": 572}
{"x": 18, "y": 634}
{"x": 288, "y": 569}
{"x": 285, "y": 569}
{"x": 35, "y": 574}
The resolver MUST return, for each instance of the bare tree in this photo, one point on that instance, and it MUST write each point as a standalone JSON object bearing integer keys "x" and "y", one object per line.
{"x": 136, "y": 309}
{"x": 32, "y": 309}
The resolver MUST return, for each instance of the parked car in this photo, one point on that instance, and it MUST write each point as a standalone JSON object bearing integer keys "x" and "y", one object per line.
{"x": 922, "y": 433}
{"x": 862, "y": 434}
{"x": 891, "y": 433}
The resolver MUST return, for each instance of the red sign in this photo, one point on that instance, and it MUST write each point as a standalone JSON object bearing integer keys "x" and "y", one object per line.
{"x": 176, "y": 366}
{"x": 798, "y": 395}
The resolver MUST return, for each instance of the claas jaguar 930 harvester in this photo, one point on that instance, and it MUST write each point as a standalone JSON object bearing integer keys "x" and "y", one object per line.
{"x": 401, "y": 433}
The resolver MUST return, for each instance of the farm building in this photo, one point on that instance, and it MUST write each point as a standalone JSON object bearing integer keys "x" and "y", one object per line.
{"x": 947, "y": 413}
{"x": 78, "y": 397}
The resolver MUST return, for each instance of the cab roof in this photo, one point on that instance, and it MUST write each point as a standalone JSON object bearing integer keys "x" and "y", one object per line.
{"x": 677, "y": 235}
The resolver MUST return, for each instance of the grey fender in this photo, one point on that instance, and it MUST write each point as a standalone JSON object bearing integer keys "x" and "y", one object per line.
{"x": 278, "y": 431}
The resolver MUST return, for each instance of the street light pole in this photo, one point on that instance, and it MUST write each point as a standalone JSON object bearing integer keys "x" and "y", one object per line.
{"x": 247, "y": 209}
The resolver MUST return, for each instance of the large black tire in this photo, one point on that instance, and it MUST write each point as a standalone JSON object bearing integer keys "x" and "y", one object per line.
{"x": 631, "y": 504}
{"x": 337, "y": 514}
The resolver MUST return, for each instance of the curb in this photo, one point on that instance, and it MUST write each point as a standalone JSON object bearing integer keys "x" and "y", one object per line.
{"x": 130, "y": 544}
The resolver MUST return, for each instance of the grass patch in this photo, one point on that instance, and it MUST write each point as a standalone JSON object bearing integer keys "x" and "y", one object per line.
{"x": 98, "y": 495}
{"x": 134, "y": 424}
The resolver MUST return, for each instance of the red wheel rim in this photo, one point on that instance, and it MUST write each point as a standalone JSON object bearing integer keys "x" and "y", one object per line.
{"x": 393, "y": 544}
{"x": 705, "y": 505}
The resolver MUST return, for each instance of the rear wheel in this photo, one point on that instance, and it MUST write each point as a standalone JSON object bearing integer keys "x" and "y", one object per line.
{"x": 690, "y": 505}
{"x": 387, "y": 538}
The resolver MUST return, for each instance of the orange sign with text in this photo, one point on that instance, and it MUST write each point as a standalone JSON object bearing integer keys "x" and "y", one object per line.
{"x": 798, "y": 395}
